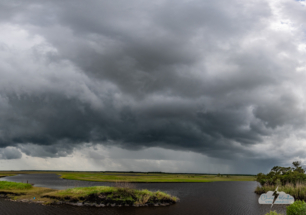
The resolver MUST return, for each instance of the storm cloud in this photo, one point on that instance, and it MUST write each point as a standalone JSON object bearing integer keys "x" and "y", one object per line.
{"x": 222, "y": 79}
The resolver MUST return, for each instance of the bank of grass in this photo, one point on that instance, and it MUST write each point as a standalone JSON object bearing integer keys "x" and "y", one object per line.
{"x": 28, "y": 195}
{"x": 7, "y": 185}
{"x": 298, "y": 191}
{"x": 3, "y": 174}
{"x": 121, "y": 195}
{"x": 137, "y": 177}
{"x": 154, "y": 178}
{"x": 25, "y": 192}
{"x": 98, "y": 195}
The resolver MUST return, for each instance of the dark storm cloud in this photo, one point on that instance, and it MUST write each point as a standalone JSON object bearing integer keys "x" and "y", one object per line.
{"x": 53, "y": 119}
{"x": 202, "y": 76}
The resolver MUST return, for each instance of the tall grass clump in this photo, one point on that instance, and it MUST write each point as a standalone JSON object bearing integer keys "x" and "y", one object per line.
{"x": 297, "y": 208}
{"x": 85, "y": 191}
{"x": 7, "y": 185}
{"x": 122, "y": 193}
{"x": 297, "y": 190}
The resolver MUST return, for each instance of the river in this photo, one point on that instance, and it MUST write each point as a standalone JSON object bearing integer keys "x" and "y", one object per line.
{"x": 216, "y": 198}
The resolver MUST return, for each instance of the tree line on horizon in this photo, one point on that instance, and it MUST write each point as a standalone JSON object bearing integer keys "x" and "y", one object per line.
{"x": 283, "y": 175}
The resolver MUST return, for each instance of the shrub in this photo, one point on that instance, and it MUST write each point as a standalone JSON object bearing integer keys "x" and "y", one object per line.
{"x": 297, "y": 208}
{"x": 273, "y": 213}
{"x": 282, "y": 175}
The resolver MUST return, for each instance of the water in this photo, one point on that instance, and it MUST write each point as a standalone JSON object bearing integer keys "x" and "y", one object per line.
{"x": 217, "y": 198}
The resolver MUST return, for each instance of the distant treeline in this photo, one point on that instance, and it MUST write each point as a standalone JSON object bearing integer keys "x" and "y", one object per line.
{"x": 283, "y": 175}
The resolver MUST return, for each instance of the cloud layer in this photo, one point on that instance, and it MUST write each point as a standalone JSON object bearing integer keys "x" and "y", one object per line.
{"x": 223, "y": 79}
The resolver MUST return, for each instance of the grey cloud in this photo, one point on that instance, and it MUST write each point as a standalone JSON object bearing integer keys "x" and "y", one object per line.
{"x": 10, "y": 153}
{"x": 280, "y": 111}
{"x": 208, "y": 77}
{"x": 148, "y": 50}
{"x": 57, "y": 150}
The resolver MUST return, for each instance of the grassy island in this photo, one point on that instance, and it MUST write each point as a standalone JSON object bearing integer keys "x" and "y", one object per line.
{"x": 99, "y": 196}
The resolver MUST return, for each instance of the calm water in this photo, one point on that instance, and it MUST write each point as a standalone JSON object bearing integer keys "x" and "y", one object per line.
{"x": 217, "y": 198}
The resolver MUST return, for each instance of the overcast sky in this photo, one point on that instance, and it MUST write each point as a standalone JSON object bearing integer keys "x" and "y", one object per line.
{"x": 176, "y": 86}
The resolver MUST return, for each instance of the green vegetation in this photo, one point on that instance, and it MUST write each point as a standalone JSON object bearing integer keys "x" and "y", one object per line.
{"x": 157, "y": 177}
{"x": 283, "y": 175}
{"x": 84, "y": 191}
{"x": 4, "y": 175}
{"x": 7, "y": 185}
{"x": 273, "y": 213}
{"x": 298, "y": 190}
{"x": 297, "y": 208}
{"x": 22, "y": 191}
{"x": 137, "y": 177}
{"x": 122, "y": 194}
{"x": 291, "y": 180}
{"x": 28, "y": 195}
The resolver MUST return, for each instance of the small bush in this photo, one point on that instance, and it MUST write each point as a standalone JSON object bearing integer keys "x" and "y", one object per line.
{"x": 273, "y": 213}
{"x": 297, "y": 208}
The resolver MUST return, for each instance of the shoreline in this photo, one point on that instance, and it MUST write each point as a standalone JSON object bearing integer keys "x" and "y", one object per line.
{"x": 81, "y": 204}
{"x": 97, "y": 196}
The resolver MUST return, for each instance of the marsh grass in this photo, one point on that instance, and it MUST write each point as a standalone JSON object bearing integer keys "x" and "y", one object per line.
{"x": 154, "y": 178}
{"x": 298, "y": 190}
{"x": 21, "y": 191}
{"x": 135, "y": 177}
{"x": 84, "y": 191}
{"x": 120, "y": 193}
{"x": 7, "y": 185}
{"x": 29, "y": 194}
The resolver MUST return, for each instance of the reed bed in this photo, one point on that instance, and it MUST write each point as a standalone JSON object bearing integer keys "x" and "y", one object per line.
{"x": 298, "y": 190}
